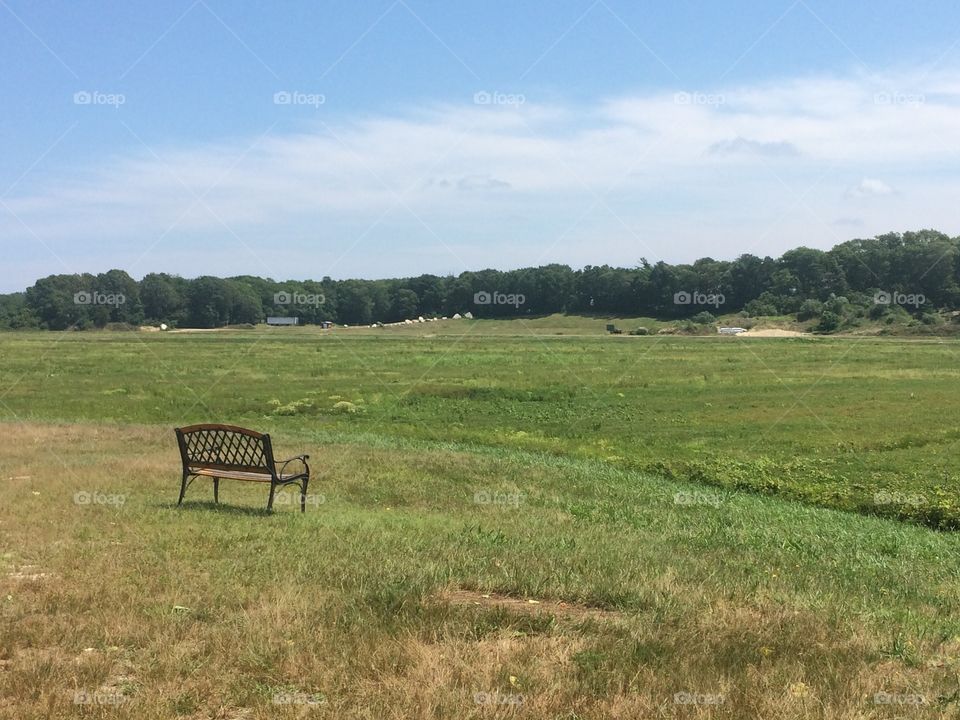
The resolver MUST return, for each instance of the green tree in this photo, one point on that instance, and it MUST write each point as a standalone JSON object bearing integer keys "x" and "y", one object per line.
{"x": 405, "y": 305}
{"x": 163, "y": 298}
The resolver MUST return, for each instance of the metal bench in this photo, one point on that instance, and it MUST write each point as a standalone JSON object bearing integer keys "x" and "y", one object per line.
{"x": 235, "y": 453}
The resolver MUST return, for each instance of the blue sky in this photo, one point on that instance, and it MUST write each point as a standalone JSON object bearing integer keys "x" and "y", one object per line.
{"x": 375, "y": 139}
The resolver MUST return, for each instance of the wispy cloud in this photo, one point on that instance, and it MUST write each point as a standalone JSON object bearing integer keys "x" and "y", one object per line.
{"x": 848, "y": 222}
{"x": 870, "y": 187}
{"x": 482, "y": 182}
{"x": 744, "y": 146}
{"x": 609, "y": 182}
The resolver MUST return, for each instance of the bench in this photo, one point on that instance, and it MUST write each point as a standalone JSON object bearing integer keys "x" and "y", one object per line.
{"x": 235, "y": 453}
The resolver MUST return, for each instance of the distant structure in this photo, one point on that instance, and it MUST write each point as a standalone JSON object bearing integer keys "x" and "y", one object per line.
{"x": 283, "y": 321}
{"x": 731, "y": 330}
{"x": 326, "y": 324}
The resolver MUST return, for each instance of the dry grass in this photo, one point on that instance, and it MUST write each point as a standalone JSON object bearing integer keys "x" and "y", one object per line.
{"x": 399, "y": 597}
{"x": 529, "y": 606}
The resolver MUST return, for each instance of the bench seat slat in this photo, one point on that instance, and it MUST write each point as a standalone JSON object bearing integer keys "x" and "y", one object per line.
{"x": 244, "y": 475}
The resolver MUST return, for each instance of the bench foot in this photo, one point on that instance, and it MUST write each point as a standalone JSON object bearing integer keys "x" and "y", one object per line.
{"x": 216, "y": 490}
{"x": 183, "y": 489}
{"x": 270, "y": 499}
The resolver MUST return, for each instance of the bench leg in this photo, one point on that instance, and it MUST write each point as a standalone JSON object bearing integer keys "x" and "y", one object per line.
{"x": 216, "y": 490}
{"x": 303, "y": 495}
{"x": 183, "y": 489}
{"x": 273, "y": 487}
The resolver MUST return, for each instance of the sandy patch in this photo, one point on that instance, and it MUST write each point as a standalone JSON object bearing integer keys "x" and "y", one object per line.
{"x": 28, "y": 572}
{"x": 773, "y": 332}
{"x": 529, "y": 606}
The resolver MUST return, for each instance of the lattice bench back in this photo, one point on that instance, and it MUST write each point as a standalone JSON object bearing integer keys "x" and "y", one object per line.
{"x": 225, "y": 447}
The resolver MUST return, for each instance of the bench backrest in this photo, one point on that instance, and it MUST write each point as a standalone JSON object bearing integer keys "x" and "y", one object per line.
{"x": 225, "y": 447}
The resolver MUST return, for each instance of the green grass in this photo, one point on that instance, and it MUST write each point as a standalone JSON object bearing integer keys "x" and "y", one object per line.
{"x": 861, "y": 424}
{"x": 784, "y": 610}
{"x": 676, "y": 484}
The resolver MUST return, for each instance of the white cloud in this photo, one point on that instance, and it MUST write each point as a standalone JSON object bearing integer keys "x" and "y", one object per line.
{"x": 482, "y": 182}
{"x": 870, "y": 187}
{"x": 624, "y": 178}
{"x": 745, "y": 146}
{"x": 848, "y": 222}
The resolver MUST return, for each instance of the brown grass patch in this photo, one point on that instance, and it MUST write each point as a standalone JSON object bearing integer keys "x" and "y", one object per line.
{"x": 28, "y": 573}
{"x": 528, "y": 606}
{"x": 323, "y": 604}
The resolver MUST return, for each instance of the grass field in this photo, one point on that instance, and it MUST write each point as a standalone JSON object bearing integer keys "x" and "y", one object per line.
{"x": 863, "y": 424}
{"x": 508, "y": 520}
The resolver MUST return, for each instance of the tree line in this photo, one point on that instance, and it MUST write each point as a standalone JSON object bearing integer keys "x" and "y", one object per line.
{"x": 911, "y": 273}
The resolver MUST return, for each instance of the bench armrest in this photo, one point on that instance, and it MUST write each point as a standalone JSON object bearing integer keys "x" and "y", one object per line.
{"x": 301, "y": 458}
